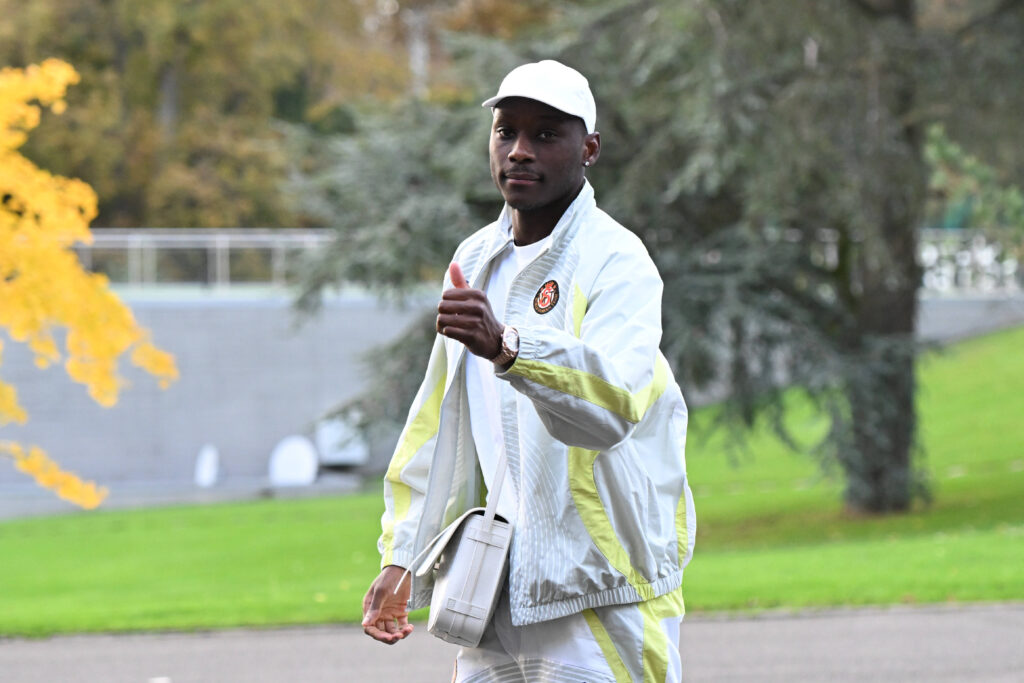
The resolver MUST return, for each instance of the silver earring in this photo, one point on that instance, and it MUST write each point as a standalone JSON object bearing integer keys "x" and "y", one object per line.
{"x": 586, "y": 163}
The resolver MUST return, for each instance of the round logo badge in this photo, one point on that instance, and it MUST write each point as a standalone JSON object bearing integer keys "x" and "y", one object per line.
{"x": 547, "y": 297}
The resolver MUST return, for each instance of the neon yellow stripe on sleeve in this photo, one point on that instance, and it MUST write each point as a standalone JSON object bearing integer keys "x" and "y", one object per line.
{"x": 593, "y": 389}
{"x": 421, "y": 429}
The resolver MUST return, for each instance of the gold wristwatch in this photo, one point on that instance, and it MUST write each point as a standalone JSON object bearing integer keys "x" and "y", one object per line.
{"x": 509, "y": 346}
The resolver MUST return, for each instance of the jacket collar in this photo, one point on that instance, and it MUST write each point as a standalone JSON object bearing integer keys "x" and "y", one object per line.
{"x": 564, "y": 229}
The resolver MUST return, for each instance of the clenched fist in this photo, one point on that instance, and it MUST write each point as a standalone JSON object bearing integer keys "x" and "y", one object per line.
{"x": 465, "y": 315}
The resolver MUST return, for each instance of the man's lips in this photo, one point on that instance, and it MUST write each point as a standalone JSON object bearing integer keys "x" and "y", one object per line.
{"x": 521, "y": 177}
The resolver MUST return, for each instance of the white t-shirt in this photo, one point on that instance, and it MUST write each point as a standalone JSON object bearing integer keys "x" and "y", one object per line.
{"x": 483, "y": 387}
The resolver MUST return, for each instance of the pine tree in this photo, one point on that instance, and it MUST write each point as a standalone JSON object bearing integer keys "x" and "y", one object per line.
{"x": 772, "y": 157}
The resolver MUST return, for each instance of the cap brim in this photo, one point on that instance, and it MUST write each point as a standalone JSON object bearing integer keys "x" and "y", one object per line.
{"x": 493, "y": 101}
{"x": 526, "y": 96}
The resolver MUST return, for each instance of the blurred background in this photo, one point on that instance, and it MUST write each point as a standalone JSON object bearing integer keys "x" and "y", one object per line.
{"x": 830, "y": 188}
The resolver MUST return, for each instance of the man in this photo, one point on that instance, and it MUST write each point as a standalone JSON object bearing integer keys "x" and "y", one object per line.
{"x": 547, "y": 348}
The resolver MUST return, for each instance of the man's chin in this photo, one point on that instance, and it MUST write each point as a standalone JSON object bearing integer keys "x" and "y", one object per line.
{"x": 521, "y": 204}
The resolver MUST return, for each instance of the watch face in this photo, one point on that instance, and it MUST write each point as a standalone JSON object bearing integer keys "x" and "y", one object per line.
{"x": 510, "y": 338}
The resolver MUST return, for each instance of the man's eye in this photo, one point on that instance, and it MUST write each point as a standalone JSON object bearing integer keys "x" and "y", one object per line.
{"x": 503, "y": 133}
{"x": 547, "y": 135}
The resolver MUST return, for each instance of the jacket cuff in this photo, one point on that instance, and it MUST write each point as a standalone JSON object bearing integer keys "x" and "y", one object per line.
{"x": 527, "y": 350}
{"x": 399, "y": 558}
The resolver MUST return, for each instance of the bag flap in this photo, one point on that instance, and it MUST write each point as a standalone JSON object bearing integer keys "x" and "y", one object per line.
{"x": 442, "y": 539}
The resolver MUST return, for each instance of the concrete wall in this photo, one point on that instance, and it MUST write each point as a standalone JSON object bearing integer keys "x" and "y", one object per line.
{"x": 249, "y": 377}
{"x": 949, "y": 318}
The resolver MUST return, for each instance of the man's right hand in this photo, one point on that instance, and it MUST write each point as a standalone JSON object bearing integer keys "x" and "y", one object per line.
{"x": 385, "y": 611}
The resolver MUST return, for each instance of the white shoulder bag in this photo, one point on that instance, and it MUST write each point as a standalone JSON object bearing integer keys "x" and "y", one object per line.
{"x": 470, "y": 561}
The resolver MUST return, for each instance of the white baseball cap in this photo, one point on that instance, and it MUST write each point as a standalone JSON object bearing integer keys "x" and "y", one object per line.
{"x": 552, "y": 83}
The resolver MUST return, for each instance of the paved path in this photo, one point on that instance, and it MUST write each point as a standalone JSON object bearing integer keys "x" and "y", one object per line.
{"x": 974, "y": 643}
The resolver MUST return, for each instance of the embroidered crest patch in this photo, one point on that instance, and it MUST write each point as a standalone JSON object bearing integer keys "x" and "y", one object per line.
{"x": 547, "y": 297}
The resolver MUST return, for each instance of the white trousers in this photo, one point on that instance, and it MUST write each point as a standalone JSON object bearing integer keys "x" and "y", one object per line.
{"x": 637, "y": 642}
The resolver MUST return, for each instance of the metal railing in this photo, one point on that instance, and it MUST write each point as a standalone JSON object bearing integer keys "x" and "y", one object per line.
{"x": 954, "y": 261}
{"x": 213, "y": 257}
{"x": 969, "y": 262}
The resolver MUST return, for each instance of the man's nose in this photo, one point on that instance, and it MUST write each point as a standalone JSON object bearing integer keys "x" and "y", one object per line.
{"x": 521, "y": 150}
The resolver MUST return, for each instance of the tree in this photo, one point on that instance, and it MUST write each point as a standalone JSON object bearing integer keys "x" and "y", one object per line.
{"x": 783, "y": 143}
{"x": 43, "y": 288}
{"x": 777, "y": 142}
{"x": 771, "y": 155}
{"x": 174, "y": 121}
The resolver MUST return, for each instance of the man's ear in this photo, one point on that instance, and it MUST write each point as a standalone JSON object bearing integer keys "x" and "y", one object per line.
{"x": 591, "y": 148}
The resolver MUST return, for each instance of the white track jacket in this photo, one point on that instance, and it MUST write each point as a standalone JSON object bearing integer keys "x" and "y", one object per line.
{"x": 594, "y": 430}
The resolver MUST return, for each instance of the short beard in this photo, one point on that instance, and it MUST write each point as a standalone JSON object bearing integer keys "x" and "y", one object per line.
{"x": 525, "y": 207}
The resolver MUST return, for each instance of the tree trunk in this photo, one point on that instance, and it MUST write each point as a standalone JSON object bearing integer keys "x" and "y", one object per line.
{"x": 878, "y": 461}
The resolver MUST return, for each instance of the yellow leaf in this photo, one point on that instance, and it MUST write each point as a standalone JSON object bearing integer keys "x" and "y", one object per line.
{"x": 42, "y": 284}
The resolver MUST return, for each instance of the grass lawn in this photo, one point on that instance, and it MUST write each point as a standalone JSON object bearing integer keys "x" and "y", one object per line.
{"x": 771, "y": 532}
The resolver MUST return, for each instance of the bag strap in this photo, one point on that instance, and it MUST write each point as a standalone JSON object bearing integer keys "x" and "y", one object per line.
{"x": 495, "y": 493}
{"x": 489, "y": 514}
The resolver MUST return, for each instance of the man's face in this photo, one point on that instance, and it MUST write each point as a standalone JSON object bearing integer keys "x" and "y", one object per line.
{"x": 537, "y": 154}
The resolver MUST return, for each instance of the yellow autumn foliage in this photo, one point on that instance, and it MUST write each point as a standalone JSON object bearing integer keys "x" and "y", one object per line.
{"x": 43, "y": 287}
{"x": 49, "y": 475}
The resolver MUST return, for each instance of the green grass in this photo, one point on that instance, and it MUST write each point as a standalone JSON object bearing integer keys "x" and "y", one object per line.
{"x": 772, "y": 532}
{"x": 266, "y": 562}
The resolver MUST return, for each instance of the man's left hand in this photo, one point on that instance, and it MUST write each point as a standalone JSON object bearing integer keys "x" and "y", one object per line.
{"x": 465, "y": 315}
